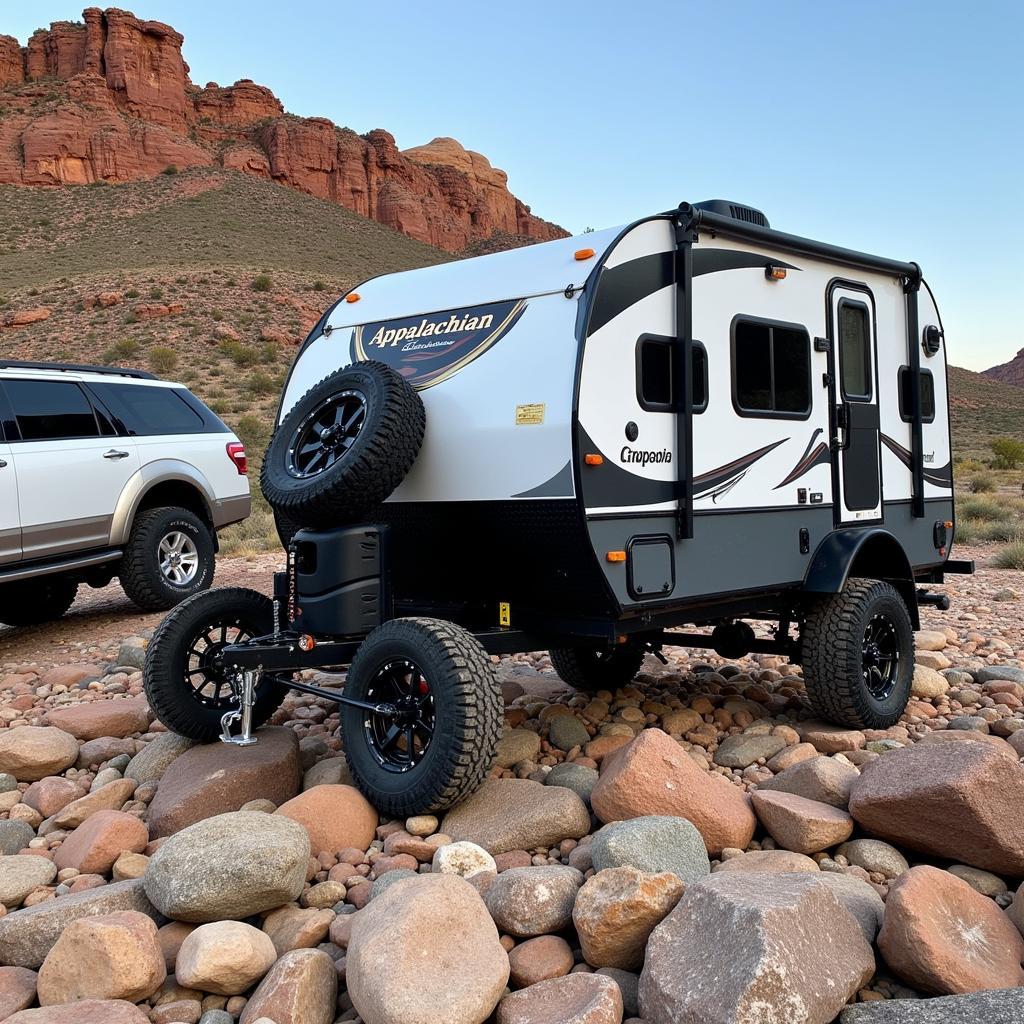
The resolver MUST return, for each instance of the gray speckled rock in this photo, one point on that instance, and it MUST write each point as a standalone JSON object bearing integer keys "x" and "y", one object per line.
{"x": 652, "y": 844}
{"x": 567, "y": 731}
{"x": 874, "y": 855}
{"x": 577, "y": 777}
{"x": 20, "y": 875}
{"x": 859, "y": 898}
{"x": 14, "y": 836}
{"x": 228, "y": 867}
{"x": 996, "y": 1006}
{"x": 743, "y": 749}
{"x": 216, "y": 1017}
{"x": 993, "y": 672}
{"x": 533, "y": 901}
{"x": 8, "y": 783}
{"x": 27, "y": 935}
{"x": 149, "y": 764}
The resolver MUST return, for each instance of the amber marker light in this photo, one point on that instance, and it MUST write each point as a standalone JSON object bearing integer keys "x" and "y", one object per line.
{"x": 616, "y": 556}
{"x": 593, "y": 460}
{"x": 352, "y": 297}
{"x": 583, "y": 254}
{"x": 775, "y": 273}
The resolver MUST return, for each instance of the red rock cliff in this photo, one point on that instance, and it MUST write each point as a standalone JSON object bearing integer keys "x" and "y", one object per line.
{"x": 110, "y": 99}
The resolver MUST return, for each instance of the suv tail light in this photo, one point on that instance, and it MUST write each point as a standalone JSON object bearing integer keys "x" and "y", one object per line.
{"x": 236, "y": 453}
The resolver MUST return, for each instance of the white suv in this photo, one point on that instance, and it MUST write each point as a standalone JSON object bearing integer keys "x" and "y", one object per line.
{"x": 104, "y": 473}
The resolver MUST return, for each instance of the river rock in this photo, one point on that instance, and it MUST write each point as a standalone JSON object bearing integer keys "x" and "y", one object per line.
{"x": 18, "y": 989}
{"x": 217, "y": 777}
{"x": 229, "y": 867}
{"x": 116, "y": 956}
{"x": 744, "y": 749}
{"x": 616, "y": 911}
{"x": 14, "y": 836}
{"x": 112, "y": 716}
{"x": 941, "y": 936}
{"x": 33, "y": 752}
{"x": 517, "y": 814}
{"x": 517, "y": 745}
{"x": 27, "y": 935}
{"x": 774, "y": 862}
{"x": 224, "y": 957}
{"x": 956, "y": 800}
{"x": 574, "y": 999}
{"x": 21, "y": 875}
{"x": 463, "y": 859}
{"x": 445, "y": 963}
{"x": 539, "y": 959}
{"x": 653, "y": 775}
{"x": 301, "y": 988}
{"x": 111, "y": 797}
{"x": 577, "y": 777}
{"x": 1003, "y": 1006}
{"x": 799, "y": 824}
{"x": 739, "y": 948}
{"x": 150, "y": 763}
{"x": 566, "y": 732}
{"x": 859, "y": 897}
{"x": 52, "y": 794}
{"x": 874, "y": 855}
{"x": 820, "y": 778}
{"x": 535, "y": 900}
{"x": 652, "y": 844}
{"x": 336, "y": 817}
{"x": 88, "y": 1011}
{"x": 95, "y": 845}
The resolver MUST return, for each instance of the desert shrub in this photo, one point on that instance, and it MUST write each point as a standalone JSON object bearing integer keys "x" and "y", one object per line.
{"x": 1009, "y": 529}
{"x": 240, "y": 354}
{"x": 132, "y": 293}
{"x": 1007, "y": 452}
{"x": 217, "y": 315}
{"x": 156, "y": 292}
{"x": 162, "y": 359}
{"x": 968, "y": 531}
{"x": 1010, "y": 557}
{"x": 319, "y": 286}
{"x": 170, "y": 169}
{"x": 986, "y": 510}
{"x": 126, "y": 348}
{"x": 983, "y": 482}
{"x": 261, "y": 383}
{"x": 262, "y": 283}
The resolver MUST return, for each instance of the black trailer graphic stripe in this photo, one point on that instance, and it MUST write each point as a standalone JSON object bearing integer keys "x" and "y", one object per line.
{"x": 623, "y": 286}
{"x": 713, "y": 261}
{"x": 814, "y": 455}
{"x": 940, "y": 477}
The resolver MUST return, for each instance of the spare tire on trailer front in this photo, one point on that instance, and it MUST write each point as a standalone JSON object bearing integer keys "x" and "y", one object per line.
{"x": 345, "y": 445}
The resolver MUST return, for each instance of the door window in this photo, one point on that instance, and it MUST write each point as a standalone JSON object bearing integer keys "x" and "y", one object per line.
{"x": 51, "y": 410}
{"x": 771, "y": 369}
{"x": 855, "y": 351}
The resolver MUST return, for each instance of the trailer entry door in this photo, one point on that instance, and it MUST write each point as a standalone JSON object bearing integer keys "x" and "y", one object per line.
{"x": 855, "y": 416}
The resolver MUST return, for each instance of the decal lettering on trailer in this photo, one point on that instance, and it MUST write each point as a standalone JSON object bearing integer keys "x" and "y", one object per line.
{"x": 641, "y": 457}
{"x": 429, "y": 348}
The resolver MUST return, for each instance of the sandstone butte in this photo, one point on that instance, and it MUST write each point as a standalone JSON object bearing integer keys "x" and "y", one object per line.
{"x": 110, "y": 99}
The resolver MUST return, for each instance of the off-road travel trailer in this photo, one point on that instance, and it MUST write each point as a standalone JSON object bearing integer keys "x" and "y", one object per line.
{"x": 601, "y": 445}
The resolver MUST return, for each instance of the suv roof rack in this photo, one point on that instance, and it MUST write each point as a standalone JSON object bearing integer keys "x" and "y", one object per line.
{"x": 115, "y": 371}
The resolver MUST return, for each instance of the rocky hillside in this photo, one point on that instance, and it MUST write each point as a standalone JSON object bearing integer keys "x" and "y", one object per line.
{"x": 1011, "y": 372}
{"x": 981, "y": 409}
{"x": 110, "y": 99}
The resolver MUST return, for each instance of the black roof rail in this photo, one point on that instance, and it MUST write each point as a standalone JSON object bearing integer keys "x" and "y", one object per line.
{"x": 114, "y": 371}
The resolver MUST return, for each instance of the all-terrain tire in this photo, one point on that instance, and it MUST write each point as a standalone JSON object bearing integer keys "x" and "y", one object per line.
{"x": 465, "y": 701}
{"x": 373, "y": 465}
{"x": 168, "y": 658}
{"x": 31, "y": 602}
{"x": 836, "y": 662}
{"x": 590, "y": 669}
{"x": 141, "y": 576}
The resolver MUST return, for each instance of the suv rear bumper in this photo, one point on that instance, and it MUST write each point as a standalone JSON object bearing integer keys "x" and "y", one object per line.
{"x": 231, "y": 510}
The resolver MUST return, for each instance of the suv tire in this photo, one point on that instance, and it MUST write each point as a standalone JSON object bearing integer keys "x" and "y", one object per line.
{"x": 590, "y": 670}
{"x": 344, "y": 447}
{"x": 31, "y": 602}
{"x": 169, "y": 557}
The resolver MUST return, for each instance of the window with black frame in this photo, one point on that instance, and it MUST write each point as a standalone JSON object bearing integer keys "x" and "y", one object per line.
{"x": 855, "y": 351}
{"x": 654, "y": 362}
{"x": 51, "y": 410}
{"x": 771, "y": 369}
{"x": 906, "y": 389}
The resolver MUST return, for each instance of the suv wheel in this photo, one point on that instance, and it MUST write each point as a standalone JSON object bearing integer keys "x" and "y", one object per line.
{"x": 30, "y": 602}
{"x": 169, "y": 556}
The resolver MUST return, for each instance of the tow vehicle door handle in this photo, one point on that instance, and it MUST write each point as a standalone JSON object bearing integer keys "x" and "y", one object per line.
{"x": 114, "y": 453}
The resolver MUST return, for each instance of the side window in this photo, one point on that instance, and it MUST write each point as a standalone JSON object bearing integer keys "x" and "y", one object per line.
{"x": 855, "y": 351}
{"x": 771, "y": 369}
{"x": 146, "y": 411}
{"x": 51, "y": 410}
{"x": 906, "y": 387}
{"x": 654, "y": 374}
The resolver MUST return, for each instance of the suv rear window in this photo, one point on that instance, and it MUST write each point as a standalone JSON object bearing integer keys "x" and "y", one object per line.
{"x": 51, "y": 410}
{"x": 147, "y": 411}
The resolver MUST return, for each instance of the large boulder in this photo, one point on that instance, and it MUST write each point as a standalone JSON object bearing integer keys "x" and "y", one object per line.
{"x": 94, "y": 846}
{"x": 616, "y": 911}
{"x": 27, "y": 935}
{"x": 517, "y": 814}
{"x": 301, "y": 988}
{"x": 150, "y": 763}
{"x": 799, "y": 824}
{"x": 575, "y": 999}
{"x": 336, "y": 818}
{"x": 445, "y": 964}
{"x": 34, "y": 751}
{"x": 740, "y": 948}
{"x": 823, "y": 779}
{"x": 224, "y": 957}
{"x": 1002, "y": 1006}
{"x": 21, "y": 875}
{"x": 113, "y": 716}
{"x": 88, "y": 1011}
{"x": 229, "y": 867}
{"x": 533, "y": 901}
{"x": 955, "y": 800}
{"x": 653, "y": 775}
{"x": 219, "y": 777}
{"x": 859, "y": 897}
{"x": 652, "y": 844}
{"x": 943, "y": 937}
{"x": 112, "y": 957}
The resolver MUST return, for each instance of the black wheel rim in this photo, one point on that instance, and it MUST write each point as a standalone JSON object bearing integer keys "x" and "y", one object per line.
{"x": 204, "y": 671}
{"x": 399, "y": 741}
{"x": 880, "y": 656}
{"x": 326, "y": 434}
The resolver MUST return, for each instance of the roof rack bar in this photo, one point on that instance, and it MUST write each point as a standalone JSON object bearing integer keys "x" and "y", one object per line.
{"x": 114, "y": 371}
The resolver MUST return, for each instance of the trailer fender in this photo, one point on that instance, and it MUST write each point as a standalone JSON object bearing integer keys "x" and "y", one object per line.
{"x": 863, "y": 551}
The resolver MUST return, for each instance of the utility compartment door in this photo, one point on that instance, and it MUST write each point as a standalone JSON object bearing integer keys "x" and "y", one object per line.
{"x": 855, "y": 417}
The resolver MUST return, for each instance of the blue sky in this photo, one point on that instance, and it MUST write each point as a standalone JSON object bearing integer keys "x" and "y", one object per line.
{"x": 895, "y": 128}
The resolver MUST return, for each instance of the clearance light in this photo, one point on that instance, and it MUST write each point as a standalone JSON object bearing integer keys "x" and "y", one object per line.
{"x": 583, "y": 254}
{"x": 775, "y": 273}
{"x": 948, "y": 524}
{"x": 593, "y": 460}
{"x": 306, "y": 642}
{"x": 354, "y": 296}
{"x": 616, "y": 556}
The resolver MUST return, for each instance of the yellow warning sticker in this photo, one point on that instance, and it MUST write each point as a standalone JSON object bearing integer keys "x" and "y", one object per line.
{"x": 504, "y": 614}
{"x": 529, "y": 414}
